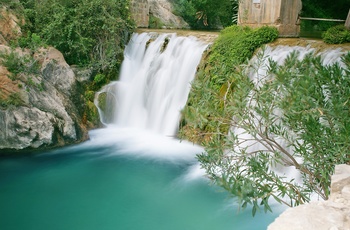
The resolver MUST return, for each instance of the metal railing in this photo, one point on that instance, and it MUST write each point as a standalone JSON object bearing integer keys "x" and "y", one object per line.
{"x": 347, "y": 21}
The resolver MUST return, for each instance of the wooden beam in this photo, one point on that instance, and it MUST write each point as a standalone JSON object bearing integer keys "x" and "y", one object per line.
{"x": 347, "y": 22}
{"x": 322, "y": 19}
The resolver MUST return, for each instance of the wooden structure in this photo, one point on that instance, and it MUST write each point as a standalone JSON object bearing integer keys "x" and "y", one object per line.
{"x": 347, "y": 21}
{"x": 283, "y": 14}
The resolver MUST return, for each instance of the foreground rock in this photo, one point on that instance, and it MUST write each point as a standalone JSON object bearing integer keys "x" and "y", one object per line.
{"x": 38, "y": 101}
{"x": 333, "y": 214}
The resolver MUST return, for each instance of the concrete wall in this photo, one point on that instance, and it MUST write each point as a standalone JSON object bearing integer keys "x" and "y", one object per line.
{"x": 140, "y": 12}
{"x": 282, "y": 14}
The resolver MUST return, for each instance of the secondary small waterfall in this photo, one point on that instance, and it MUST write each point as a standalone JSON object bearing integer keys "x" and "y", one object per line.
{"x": 154, "y": 83}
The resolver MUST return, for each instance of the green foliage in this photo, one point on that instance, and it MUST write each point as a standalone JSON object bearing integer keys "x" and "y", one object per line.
{"x": 17, "y": 64}
{"x": 102, "y": 101}
{"x": 236, "y": 44}
{"x": 14, "y": 99}
{"x": 100, "y": 79}
{"x": 207, "y": 13}
{"x": 154, "y": 22}
{"x": 32, "y": 41}
{"x": 336, "y": 35}
{"x": 219, "y": 77}
{"x": 89, "y": 33}
{"x": 89, "y": 95}
{"x": 297, "y": 115}
{"x": 86, "y": 32}
{"x": 10, "y": 3}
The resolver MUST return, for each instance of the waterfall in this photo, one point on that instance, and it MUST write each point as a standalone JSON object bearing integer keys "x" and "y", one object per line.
{"x": 154, "y": 83}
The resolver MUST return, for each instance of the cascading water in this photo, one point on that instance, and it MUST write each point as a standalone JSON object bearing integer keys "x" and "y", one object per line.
{"x": 99, "y": 184}
{"x": 154, "y": 82}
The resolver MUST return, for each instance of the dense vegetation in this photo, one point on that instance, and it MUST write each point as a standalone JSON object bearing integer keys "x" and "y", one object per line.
{"x": 296, "y": 115}
{"x": 91, "y": 34}
{"x": 87, "y": 32}
{"x": 336, "y": 35}
{"x": 235, "y": 46}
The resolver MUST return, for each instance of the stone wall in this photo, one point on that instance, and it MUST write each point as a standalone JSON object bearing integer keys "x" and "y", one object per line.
{"x": 140, "y": 12}
{"x": 333, "y": 214}
{"x": 279, "y": 13}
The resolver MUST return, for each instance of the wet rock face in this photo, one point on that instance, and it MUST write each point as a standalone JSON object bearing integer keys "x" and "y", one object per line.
{"x": 38, "y": 109}
{"x": 333, "y": 214}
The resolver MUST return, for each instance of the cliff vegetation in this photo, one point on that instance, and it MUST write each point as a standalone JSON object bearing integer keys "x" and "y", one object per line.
{"x": 46, "y": 98}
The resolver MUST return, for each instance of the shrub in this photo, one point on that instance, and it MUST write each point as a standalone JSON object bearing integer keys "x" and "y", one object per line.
{"x": 155, "y": 22}
{"x": 297, "y": 115}
{"x": 14, "y": 99}
{"x": 219, "y": 76}
{"x": 31, "y": 41}
{"x": 336, "y": 35}
{"x": 86, "y": 32}
{"x": 17, "y": 64}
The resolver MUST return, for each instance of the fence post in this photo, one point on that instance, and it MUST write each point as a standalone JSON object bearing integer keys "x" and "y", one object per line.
{"x": 347, "y": 22}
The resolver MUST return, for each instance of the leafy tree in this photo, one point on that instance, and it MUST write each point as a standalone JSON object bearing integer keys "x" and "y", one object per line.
{"x": 296, "y": 115}
{"x": 89, "y": 33}
{"x": 85, "y": 31}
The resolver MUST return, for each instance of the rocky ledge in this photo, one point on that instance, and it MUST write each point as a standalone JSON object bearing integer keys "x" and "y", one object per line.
{"x": 38, "y": 98}
{"x": 333, "y": 214}
{"x": 40, "y": 103}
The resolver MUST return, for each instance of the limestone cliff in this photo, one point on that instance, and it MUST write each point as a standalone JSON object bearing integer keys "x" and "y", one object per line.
{"x": 39, "y": 95}
{"x": 163, "y": 9}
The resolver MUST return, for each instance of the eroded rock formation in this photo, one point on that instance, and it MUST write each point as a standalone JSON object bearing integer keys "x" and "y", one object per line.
{"x": 39, "y": 95}
{"x": 333, "y": 214}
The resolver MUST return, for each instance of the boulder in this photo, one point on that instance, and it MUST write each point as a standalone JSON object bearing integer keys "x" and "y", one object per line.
{"x": 333, "y": 214}
{"x": 40, "y": 108}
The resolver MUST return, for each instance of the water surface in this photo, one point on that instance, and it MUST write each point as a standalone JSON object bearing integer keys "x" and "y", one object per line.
{"x": 104, "y": 184}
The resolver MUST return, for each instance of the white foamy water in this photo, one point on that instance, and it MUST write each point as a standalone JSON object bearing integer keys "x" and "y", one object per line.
{"x": 154, "y": 83}
{"x": 143, "y": 107}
